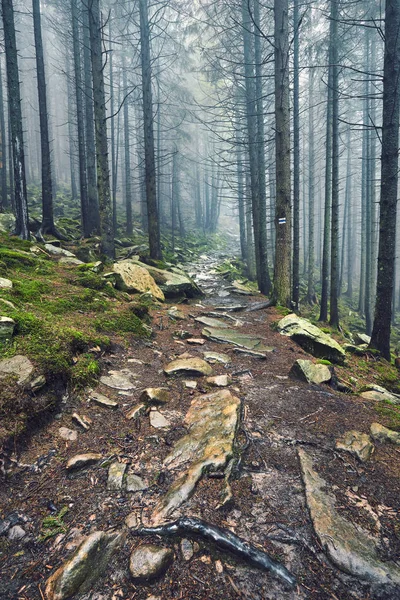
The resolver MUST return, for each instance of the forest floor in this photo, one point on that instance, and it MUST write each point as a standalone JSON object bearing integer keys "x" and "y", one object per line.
{"x": 268, "y": 509}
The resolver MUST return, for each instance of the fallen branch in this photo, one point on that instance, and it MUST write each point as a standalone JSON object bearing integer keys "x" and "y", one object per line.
{"x": 225, "y": 540}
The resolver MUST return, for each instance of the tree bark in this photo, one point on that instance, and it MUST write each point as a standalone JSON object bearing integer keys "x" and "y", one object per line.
{"x": 296, "y": 161}
{"x": 4, "y": 204}
{"x": 128, "y": 185}
{"x": 334, "y": 295}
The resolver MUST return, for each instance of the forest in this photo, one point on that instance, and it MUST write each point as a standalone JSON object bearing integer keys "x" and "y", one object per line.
{"x": 199, "y": 299}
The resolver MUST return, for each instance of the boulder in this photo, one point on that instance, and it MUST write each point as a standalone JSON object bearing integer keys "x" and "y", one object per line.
{"x": 5, "y": 284}
{"x": 18, "y": 365}
{"x": 173, "y": 283}
{"x": 149, "y": 562}
{"x": 80, "y": 572}
{"x": 7, "y": 327}
{"x": 361, "y": 338}
{"x": 311, "y": 338}
{"x": 383, "y": 434}
{"x": 311, "y": 373}
{"x": 188, "y": 365}
{"x": 357, "y": 443}
{"x": 134, "y": 278}
{"x": 56, "y": 251}
{"x": 378, "y": 393}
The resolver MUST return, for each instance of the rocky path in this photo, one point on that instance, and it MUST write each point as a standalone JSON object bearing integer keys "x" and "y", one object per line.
{"x": 205, "y": 421}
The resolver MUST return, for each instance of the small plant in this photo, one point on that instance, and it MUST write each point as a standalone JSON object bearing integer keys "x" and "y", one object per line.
{"x": 53, "y": 525}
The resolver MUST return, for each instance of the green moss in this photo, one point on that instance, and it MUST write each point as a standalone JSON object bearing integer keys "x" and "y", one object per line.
{"x": 53, "y": 525}
{"x": 93, "y": 281}
{"x": 85, "y": 371}
{"x": 30, "y": 290}
{"x": 323, "y": 361}
{"x": 14, "y": 259}
{"x": 86, "y": 301}
{"x": 390, "y": 412}
{"x": 124, "y": 322}
{"x": 283, "y": 310}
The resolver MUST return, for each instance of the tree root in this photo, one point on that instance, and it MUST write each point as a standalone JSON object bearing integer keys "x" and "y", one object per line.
{"x": 225, "y": 540}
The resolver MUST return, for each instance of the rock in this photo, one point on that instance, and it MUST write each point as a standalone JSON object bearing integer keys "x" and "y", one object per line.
{"x": 70, "y": 260}
{"x": 188, "y": 365}
{"x": 7, "y": 327}
{"x": 349, "y": 547}
{"x": 5, "y": 284}
{"x": 211, "y": 322}
{"x": 242, "y": 290}
{"x": 191, "y": 385}
{"x": 218, "y": 380}
{"x": 134, "y": 278}
{"x": 173, "y": 283}
{"x": 149, "y": 562}
{"x": 87, "y": 564}
{"x": 383, "y": 434}
{"x": 83, "y": 421}
{"x": 311, "y": 373}
{"x": 7, "y": 222}
{"x": 37, "y": 383}
{"x": 196, "y": 341}
{"x": 137, "y": 411}
{"x": 18, "y": 365}
{"x": 8, "y": 303}
{"x": 175, "y": 314}
{"x": 16, "y": 533}
{"x": 361, "y": 338}
{"x": 252, "y": 353}
{"x": 135, "y": 483}
{"x": 358, "y": 350}
{"x": 157, "y": 420}
{"x": 79, "y": 461}
{"x": 56, "y": 251}
{"x": 217, "y": 357}
{"x": 378, "y": 393}
{"x": 118, "y": 380}
{"x": 356, "y": 443}
{"x": 187, "y": 549}
{"x": 153, "y": 396}
{"x": 116, "y": 474}
{"x": 132, "y": 521}
{"x": 102, "y": 400}
{"x": 211, "y": 424}
{"x": 68, "y": 434}
{"x": 230, "y": 336}
{"x": 311, "y": 338}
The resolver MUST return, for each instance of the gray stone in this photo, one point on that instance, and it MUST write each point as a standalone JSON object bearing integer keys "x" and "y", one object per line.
{"x": 18, "y": 365}
{"x": 311, "y": 338}
{"x": 137, "y": 411}
{"x": 79, "y": 461}
{"x": 349, "y": 547}
{"x": 173, "y": 283}
{"x": 378, "y": 393}
{"x": 149, "y": 562}
{"x": 242, "y": 340}
{"x": 7, "y": 327}
{"x": 134, "y": 483}
{"x": 116, "y": 474}
{"x": 212, "y": 322}
{"x": 132, "y": 521}
{"x": 7, "y": 222}
{"x": 70, "y": 261}
{"x": 217, "y": 357}
{"x": 83, "y": 421}
{"x": 191, "y": 385}
{"x": 188, "y": 365}
{"x": 154, "y": 396}
{"x": 311, "y": 373}
{"x": 251, "y": 353}
{"x": 132, "y": 277}
{"x": 196, "y": 341}
{"x": 361, "y": 338}
{"x": 87, "y": 564}
{"x": 383, "y": 434}
{"x": 102, "y": 400}
{"x": 37, "y": 383}
{"x": 118, "y": 380}
{"x": 357, "y": 443}
{"x": 218, "y": 380}
{"x": 56, "y": 251}
{"x": 5, "y": 284}
{"x": 175, "y": 314}
{"x": 16, "y": 533}
{"x": 158, "y": 421}
{"x": 68, "y": 434}
{"x": 187, "y": 549}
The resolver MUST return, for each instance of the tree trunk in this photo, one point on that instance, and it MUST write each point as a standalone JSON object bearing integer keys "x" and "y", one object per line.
{"x": 296, "y": 161}
{"x": 71, "y": 130}
{"x": 311, "y": 188}
{"x": 3, "y": 145}
{"x": 334, "y": 308}
{"x": 380, "y": 338}
{"x": 128, "y": 186}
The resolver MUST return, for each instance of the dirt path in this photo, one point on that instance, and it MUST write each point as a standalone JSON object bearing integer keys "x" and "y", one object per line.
{"x": 268, "y": 508}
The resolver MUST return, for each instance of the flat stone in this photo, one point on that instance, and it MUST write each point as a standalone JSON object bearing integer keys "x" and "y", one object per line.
{"x": 137, "y": 411}
{"x": 134, "y": 483}
{"x": 5, "y": 284}
{"x": 83, "y": 421}
{"x": 153, "y": 396}
{"x": 196, "y": 341}
{"x": 70, "y": 260}
{"x": 311, "y": 373}
{"x": 149, "y": 562}
{"x": 158, "y": 421}
{"x": 251, "y": 353}
{"x": 102, "y": 400}
{"x": 56, "y": 251}
{"x": 7, "y": 326}
{"x": 16, "y": 533}
{"x": 85, "y": 567}
{"x": 68, "y": 434}
{"x": 378, "y": 393}
{"x": 211, "y": 424}
{"x": 383, "y": 434}
{"x": 191, "y": 385}
{"x": 349, "y": 547}
{"x": 118, "y": 380}
{"x": 311, "y": 338}
{"x": 188, "y": 365}
{"x": 218, "y": 380}
{"x": 187, "y": 549}
{"x": 135, "y": 278}
{"x": 241, "y": 289}
{"x": 212, "y": 322}
{"x": 79, "y": 461}
{"x": 18, "y": 365}
{"x": 357, "y": 443}
{"x": 116, "y": 474}
{"x": 132, "y": 521}
{"x": 217, "y": 357}
{"x": 230, "y": 336}
{"x": 175, "y": 314}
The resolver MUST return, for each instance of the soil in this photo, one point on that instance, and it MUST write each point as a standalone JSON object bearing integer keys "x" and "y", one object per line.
{"x": 268, "y": 507}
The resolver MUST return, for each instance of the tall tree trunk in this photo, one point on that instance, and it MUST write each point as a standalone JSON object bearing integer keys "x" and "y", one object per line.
{"x": 150, "y": 167}
{"x": 71, "y": 130}
{"x": 311, "y": 188}
{"x": 103, "y": 173}
{"x": 128, "y": 186}
{"x": 296, "y": 161}
{"x": 282, "y": 142}
{"x": 3, "y": 145}
{"x": 14, "y": 102}
{"x": 334, "y": 308}
{"x": 380, "y": 338}
{"x": 349, "y": 223}
{"x": 240, "y": 192}
{"x": 112, "y": 121}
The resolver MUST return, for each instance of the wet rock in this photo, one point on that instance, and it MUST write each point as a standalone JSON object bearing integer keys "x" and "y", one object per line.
{"x": 102, "y": 400}
{"x": 56, "y": 251}
{"x": 218, "y": 380}
{"x": 378, "y": 393}
{"x": 88, "y": 563}
{"x": 5, "y": 284}
{"x": 83, "y": 421}
{"x": 175, "y": 314}
{"x": 217, "y": 357}
{"x": 211, "y": 322}
{"x": 70, "y": 260}
{"x": 7, "y": 327}
{"x": 118, "y": 380}
{"x": 149, "y": 562}
{"x": 349, "y": 547}
{"x": 137, "y": 411}
{"x": 153, "y": 396}
{"x": 68, "y": 434}
{"x": 211, "y": 424}
{"x": 188, "y": 365}
{"x": 230, "y": 336}
{"x": 158, "y": 421}
{"x": 383, "y": 434}
{"x": 311, "y": 338}
{"x": 311, "y": 373}
{"x": 83, "y": 460}
{"x": 116, "y": 474}
{"x": 20, "y": 366}
{"x": 357, "y": 443}
{"x": 134, "y": 483}
{"x": 134, "y": 278}
{"x": 187, "y": 549}
{"x": 16, "y": 533}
